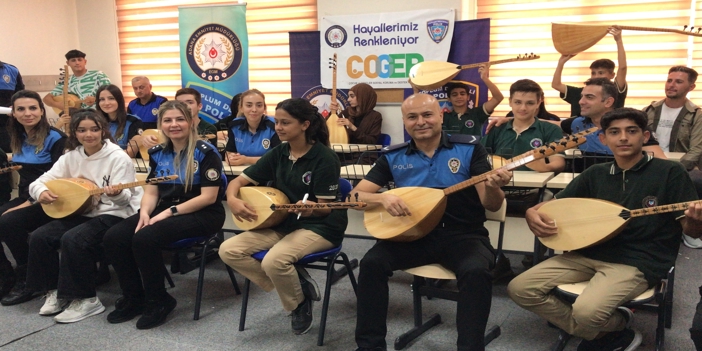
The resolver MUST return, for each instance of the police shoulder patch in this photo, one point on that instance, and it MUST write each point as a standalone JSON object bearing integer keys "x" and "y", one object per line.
{"x": 212, "y": 174}
{"x": 156, "y": 148}
{"x": 204, "y": 146}
{"x": 464, "y": 139}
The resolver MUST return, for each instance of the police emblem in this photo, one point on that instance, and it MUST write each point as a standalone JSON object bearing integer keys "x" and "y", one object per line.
{"x": 154, "y": 111}
{"x": 307, "y": 177}
{"x": 321, "y": 98}
{"x": 197, "y": 165}
{"x": 536, "y": 142}
{"x": 454, "y": 164}
{"x": 649, "y": 201}
{"x": 139, "y": 131}
{"x": 6, "y": 78}
{"x": 437, "y": 29}
{"x": 266, "y": 143}
{"x": 212, "y": 174}
{"x": 214, "y": 52}
{"x": 335, "y": 36}
{"x": 469, "y": 123}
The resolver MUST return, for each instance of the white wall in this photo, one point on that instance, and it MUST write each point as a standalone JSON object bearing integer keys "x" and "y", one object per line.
{"x": 465, "y": 9}
{"x": 97, "y": 34}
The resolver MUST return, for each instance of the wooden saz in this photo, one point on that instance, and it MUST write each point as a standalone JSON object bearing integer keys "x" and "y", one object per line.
{"x": 586, "y": 222}
{"x": 143, "y": 150}
{"x": 427, "y": 205}
{"x": 77, "y": 196}
{"x": 337, "y": 133}
{"x": 271, "y": 206}
{"x": 10, "y": 169}
{"x": 429, "y": 75}
{"x": 572, "y": 38}
{"x": 68, "y": 100}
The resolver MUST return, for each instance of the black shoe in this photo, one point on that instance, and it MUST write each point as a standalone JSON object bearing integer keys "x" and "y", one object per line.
{"x": 156, "y": 311}
{"x": 625, "y": 340}
{"x": 19, "y": 294}
{"x": 377, "y": 348}
{"x": 125, "y": 310}
{"x": 8, "y": 278}
{"x": 503, "y": 269}
{"x": 302, "y": 317}
{"x": 309, "y": 287}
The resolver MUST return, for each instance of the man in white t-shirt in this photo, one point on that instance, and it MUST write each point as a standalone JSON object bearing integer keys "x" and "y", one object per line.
{"x": 677, "y": 124}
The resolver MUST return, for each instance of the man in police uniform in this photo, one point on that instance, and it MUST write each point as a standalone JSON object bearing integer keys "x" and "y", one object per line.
{"x": 146, "y": 105}
{"x": 460, "y": 243}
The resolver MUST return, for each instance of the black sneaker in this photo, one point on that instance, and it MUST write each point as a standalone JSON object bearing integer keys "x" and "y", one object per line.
{"x": 8, "y": 278}
{"x": 309, "y": 287}
{"x": 156, "y": 311}
{"x": 125, "y": 310}
{"x": 503, "y": 269}
{"x": 19, "y": 294}
{"x": 377, "y": 348}
{"x": 625, "y": 340}
{"x": 302, "y": 317}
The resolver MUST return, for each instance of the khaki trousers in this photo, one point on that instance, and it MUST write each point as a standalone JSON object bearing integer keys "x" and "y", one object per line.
{"x": 594, "y": 311}
{"x": 277, "y": 269}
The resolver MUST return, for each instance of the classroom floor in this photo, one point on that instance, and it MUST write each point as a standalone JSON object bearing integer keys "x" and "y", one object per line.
{"x": 268, "y": 325}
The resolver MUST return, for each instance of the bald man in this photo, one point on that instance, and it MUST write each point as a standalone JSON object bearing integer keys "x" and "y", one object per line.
{"x": 432, "y": 159}
{"x": 146, "y": 104}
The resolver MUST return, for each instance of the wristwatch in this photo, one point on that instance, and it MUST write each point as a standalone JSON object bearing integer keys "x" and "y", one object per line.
{"x": 174, "y": 211}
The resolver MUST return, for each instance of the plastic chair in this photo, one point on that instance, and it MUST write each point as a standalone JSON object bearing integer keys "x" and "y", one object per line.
{"x": 384, "y": 139}
{"x": 324, "y": 260}
{"x": 659, "y": 299}
{"x": 183, "y": 264}
{"x": 436, "y": 271}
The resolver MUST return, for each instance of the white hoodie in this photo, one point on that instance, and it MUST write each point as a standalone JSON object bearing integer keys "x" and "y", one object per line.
{"x": 110, "y": 163}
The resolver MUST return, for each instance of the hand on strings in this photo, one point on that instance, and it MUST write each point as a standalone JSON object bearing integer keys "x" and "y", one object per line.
{"x": 47, "y": 197}
{"x": 89, "y": 100}
{"x": 395, "y": 206}
{"x": 111, "y": 191}
{"x": 499, "y": 179}
{"x": 540, "y": 224}
{"x": 241, "y": 210}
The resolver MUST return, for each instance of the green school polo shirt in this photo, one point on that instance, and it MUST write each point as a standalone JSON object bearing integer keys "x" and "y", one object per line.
{"x": 649, "y": 243}
{"x": 470, "y": 123}
{"x": 505, "y": 142}
{"x": 315, "y": 173}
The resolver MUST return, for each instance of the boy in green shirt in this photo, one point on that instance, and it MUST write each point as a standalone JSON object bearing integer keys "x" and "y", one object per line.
{"x": 465, "y": 118}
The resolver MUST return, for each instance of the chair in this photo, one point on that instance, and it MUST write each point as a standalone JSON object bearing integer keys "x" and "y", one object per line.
{"x": 182, "y": 263}
{"x": 436, "y": 271}
{"x": 659, "y": 299}
{"x": 384, "y": 139}
{"x": 325, "y": 260}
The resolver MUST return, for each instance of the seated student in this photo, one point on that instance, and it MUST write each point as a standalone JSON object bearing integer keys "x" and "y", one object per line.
{"x": 542, "y": 113}
{"x": 525, "y": 132}
{"x": 623, "y": 267}
{"x": 146, "y": 104}
{"x": 362, "y": 122}
{"x": 598, "y": 98}
{"x": 126, "y": 129}
{"x": 466, "y": 118}
{"x": 92, "y": 156}
{"x": 82, "y": 83}
{"x": 187, "y": 207}
{"x": 303, "y": 168}
{"x": 36, "y": 146}
{"x": 251, "y": 134}
{"x": 460, "y": 243}
{"x": 602, "y": 68}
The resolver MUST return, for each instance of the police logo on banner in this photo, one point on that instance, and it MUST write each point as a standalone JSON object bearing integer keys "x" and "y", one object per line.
{"x": 307, "y": 177}
{"x": 454, "y": 164}
{"x": 335, "y": 36}
{"x": 536, "y": 142}
{"x": 266, "y": 143}
{"x": 437, "y": 29}
{"x": 6, "y": 78}
{"x": 321, "y": 98}
{"x": 214, "y": 52}
{"x": 649, "y": 201}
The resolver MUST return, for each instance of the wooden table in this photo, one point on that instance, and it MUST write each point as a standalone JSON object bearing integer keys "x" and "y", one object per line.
{"x": 351, "y": 148}
{"x": 355, "y": 172}
{"x": 674, "y": 156}
{"x": 530, "y": 179}
{"x": 561, "y": 180}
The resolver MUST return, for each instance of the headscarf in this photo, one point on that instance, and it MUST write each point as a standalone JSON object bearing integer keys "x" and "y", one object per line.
{"x": 366, "y": 99}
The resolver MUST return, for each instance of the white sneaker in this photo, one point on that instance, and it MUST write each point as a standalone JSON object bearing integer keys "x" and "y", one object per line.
{"x": 692, "y": 242}
{"x": 80, "y": 309}
{"x": 53, "y": 304}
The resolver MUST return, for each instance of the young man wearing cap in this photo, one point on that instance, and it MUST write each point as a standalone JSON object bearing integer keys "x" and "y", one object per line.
{"x": 83, "y": 83}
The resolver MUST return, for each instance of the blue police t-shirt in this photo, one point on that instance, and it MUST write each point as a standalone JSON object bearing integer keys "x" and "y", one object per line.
{"x": 242, "y": 141}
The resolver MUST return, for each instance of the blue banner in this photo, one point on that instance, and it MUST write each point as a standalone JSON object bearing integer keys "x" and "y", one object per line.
{"x": 214, "y": 57}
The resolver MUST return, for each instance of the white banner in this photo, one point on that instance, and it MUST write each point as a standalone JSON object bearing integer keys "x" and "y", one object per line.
{"x": 380, "y": 49}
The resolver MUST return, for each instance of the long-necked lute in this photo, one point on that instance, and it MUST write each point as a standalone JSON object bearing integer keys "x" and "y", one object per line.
{"x": 429, "y": 75}
{"x": 427, "y": 205}
{"x": 573, "y": 38}
{"x": 271, "y": 206}
{"x": 337, "y": 133}
{"x": 66, "y": 99}
{"x": 584, "y": 222}
{"x": 77, "y": 195}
